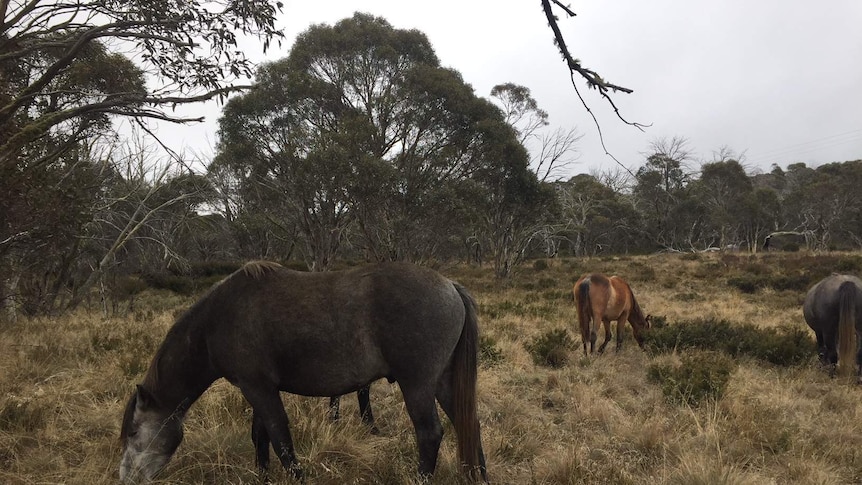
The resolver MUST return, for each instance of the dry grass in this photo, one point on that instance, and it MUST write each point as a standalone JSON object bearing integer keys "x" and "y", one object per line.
{"x": 599, "y": 420}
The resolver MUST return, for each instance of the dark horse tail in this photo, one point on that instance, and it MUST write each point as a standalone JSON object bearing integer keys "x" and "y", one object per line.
{"x": 584, "y": 309}
{"x": 464, "y": 376}
{"x": 847, "y": 328}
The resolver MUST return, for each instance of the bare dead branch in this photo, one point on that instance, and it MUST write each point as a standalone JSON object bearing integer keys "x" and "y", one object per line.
{"x": 593, "y": 79}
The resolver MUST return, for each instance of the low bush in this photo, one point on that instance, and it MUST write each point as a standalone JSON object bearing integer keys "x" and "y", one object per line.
{"x": 551, "y": 349}
{"x": 785, "y": 346}
{"x": 701, "y": 376}
{"x": 489, "y": 354}
{"x": 748, "y": 283}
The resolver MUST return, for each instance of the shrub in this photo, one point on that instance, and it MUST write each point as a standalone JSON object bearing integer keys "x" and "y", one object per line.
{"x": 545, "y": 283}
{"x": 551, "y": 348}
{"x": 701, "y": 376}
{"x": 20, "y": 415}
{"x": 540, "y": 265}
{"x": 785, "y": 346}
{"x": 848, "y": 264}
{"x": 178, "y": 284}
{"x": 798, "y": 282}
{"x": 489, "y": 354}
{"x": 748, "y": 283}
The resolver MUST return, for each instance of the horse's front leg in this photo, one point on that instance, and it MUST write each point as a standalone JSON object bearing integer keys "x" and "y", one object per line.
{"x": 621, "y": 326}
{"x": 268, "y": 414}
{"x": 260, "y": 439}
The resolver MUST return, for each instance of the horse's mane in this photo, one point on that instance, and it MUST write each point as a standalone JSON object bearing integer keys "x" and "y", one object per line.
{"x": 636, "y": 308}
{"x": 256, "y": 269}
{"x": 192, "y": 318}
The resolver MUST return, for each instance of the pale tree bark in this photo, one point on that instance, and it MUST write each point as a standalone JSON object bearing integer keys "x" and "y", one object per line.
{"x": 141, "y": 205}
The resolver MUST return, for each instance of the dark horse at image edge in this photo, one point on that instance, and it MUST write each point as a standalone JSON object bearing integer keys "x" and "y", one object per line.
{"x": 268, "y": 329}
{"x": 832, "y": 309}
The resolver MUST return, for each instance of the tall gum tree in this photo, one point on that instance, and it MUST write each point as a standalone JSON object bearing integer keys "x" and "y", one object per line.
{"x": 360, "y": 128}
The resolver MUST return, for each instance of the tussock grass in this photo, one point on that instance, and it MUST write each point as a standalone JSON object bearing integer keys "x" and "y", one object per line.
{"x": 597, "y": 419}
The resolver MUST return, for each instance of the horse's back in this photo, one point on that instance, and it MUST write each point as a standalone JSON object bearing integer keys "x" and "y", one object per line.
{"x": 821, "y": 305}
{"x": 332, "y": 332}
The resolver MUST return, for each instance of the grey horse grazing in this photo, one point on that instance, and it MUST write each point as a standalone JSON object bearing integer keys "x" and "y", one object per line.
{"x": 833, "y": 309}
{"x": 268, "y": 329}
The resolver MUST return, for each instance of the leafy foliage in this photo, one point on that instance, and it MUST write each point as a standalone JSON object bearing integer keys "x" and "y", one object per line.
{"x": 785, "y": 346}
{"x": 701, "y": 376}
{"x": 551, "y": 348}
{"x": 489, "y": 354}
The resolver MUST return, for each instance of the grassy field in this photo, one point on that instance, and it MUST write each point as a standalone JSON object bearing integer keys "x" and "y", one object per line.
{"x": 64, "y": 381}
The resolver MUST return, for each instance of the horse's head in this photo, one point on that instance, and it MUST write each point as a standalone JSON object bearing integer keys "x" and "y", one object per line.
{"x": 150, "y": 435}
{"x": 640, "y": 328}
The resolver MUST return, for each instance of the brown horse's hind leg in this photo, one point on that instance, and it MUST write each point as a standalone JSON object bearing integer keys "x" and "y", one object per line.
{"x": 607, "y": 325}
{"x": 585, "y": 336}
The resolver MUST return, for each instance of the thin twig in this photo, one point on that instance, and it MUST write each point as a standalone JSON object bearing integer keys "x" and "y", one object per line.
{"x": 594, "y": 80}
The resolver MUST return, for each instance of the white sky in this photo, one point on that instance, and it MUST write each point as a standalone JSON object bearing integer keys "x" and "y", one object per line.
{"x": 780, "y": 80}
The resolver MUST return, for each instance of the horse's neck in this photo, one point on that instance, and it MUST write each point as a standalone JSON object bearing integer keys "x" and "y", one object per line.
{"x": 179, "y": 374}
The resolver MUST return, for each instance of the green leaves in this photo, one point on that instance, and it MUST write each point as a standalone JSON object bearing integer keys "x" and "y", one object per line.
{"x": 361, "y": 122}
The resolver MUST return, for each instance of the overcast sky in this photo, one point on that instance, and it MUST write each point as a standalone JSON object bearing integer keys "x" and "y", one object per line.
{"x": 780, "y": 80}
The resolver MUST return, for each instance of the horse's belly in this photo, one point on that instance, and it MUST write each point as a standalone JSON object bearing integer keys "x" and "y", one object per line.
{"x": 328, "y": 376}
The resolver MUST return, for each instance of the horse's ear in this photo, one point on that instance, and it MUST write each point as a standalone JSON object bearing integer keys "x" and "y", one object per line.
{"x": 143, "y": 398}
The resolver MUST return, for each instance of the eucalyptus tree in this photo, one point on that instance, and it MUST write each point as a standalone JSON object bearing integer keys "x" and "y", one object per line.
{"x": 672, "y": 217}
{"x": 551, "y": 151}
{"x": 726, "y": 191}
{"x": 363, "y": 135}
{"x": 596, "y": 217}
{"x": 66, "y": 72}
{"x": 825, "y": 201}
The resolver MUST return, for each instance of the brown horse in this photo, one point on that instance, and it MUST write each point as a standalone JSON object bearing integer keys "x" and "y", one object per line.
{"x": 833, "y": 309}
{"x": 268, "y": 329}
{"x": 602, "y": 299}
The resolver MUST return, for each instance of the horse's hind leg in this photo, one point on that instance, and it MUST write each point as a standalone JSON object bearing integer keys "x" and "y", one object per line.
{"x": 830, "y": 351}
{"x": 419, "y": 401}
{"x": 260, "y": 439}
{"x": 821, "y": 348}
{"x": 447, "y": 402}
{"x": 364, "y": 397}
{"x": 335, "y": 408}
{"x": 269, "y": 410}
{"x": 607, "y": 325}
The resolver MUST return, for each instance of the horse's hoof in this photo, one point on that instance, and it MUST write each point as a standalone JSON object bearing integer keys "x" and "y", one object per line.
{"x": 296, "y": 472}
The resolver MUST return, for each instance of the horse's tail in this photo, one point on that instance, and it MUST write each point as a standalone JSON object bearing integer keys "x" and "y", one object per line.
{"x": 847, "y": 328}
{"x": 585, "y": 310}
{"x": 464, "y": 376}
{"x": 637, "y": 311}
